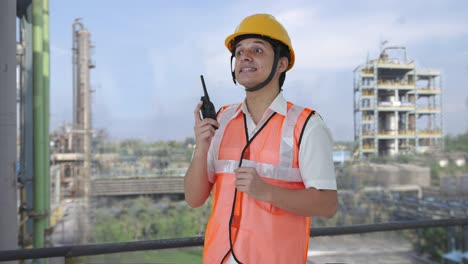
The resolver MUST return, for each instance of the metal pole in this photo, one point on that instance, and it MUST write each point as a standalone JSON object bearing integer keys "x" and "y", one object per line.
{"x": 465, "y": 243}
{"x": 26, "y": 126}
{"x": 21, "y": 173}
{"x": 8, "y": 199}
{"x": 441, "y": 115}
{"x": 39, "y": 212}
{"x": 46, "y": 79}
{"x": 28, "y": 116}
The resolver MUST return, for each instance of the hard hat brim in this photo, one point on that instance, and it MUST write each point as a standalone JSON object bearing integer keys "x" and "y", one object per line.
{"x": 230, "y": 41}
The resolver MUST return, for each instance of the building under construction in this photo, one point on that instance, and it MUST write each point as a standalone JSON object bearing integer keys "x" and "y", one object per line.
{"x": 397, "y": 106}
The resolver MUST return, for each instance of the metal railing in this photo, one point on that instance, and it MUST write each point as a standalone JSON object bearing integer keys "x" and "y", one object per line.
{"x": 109, "y": 248}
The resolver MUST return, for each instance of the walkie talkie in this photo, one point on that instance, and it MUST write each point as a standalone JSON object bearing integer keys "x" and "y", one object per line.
{"x": 207, "y": 109}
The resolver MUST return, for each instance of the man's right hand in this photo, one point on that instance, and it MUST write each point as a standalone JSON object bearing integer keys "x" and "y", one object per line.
{"x": 204, "y": 130}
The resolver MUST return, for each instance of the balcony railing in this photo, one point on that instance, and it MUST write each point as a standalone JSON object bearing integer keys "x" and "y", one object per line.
{"x": 392, "y": 83}
{"x": 97, "y": 249}
{"x": 428, "y": 91}
{"x": 409, "y": 133}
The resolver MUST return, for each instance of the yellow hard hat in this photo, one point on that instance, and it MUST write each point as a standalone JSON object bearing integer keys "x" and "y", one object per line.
{"x": 263, "y": 25}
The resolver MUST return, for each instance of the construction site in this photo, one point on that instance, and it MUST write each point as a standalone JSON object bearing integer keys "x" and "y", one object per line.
{"x": 397, "y": 106}
{"x": 66, "y": 181}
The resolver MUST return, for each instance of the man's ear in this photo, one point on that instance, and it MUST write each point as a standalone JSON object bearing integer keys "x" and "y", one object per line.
{"x": 283, "y": 64}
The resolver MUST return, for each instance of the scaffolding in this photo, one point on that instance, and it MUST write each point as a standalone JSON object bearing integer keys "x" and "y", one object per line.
{"x": 397, "y": 106}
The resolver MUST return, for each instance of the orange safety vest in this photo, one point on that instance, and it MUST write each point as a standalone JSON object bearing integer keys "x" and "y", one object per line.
{"x": 260, "y": 231}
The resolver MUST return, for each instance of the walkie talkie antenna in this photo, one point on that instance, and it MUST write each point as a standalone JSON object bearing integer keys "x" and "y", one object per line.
{"x": 204, "y": 87}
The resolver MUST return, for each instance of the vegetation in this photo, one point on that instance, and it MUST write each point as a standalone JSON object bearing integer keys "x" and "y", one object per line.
{"x": 169, "y": 256}
{"x": 145, "y": 219}
{"x": 429, "y": 242}
{"x": 457, "y": 143}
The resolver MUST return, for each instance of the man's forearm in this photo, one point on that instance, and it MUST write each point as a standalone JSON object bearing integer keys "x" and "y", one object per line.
{"x": 306, "y": 202}
{"x": 196, "y": 184}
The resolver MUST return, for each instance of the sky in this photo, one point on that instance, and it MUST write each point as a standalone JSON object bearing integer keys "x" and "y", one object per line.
{"x": 149, "y": 56}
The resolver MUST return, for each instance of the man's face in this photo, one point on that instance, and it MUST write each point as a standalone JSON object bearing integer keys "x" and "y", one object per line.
{"x": 254, "y": 60}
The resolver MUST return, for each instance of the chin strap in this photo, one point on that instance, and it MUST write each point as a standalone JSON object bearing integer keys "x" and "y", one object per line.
{"x": 270, "y": 77}
{"x": 232, "y": 71}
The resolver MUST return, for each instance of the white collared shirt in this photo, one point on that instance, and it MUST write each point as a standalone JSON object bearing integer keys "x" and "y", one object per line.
{"x": 315, "y": 153}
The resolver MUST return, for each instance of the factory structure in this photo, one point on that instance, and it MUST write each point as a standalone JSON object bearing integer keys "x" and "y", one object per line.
{"x": 397, "y": 106}
{"x": 66, "y": 165}
{"x": 71, "y": 148}
{"x": 397, "y": 110}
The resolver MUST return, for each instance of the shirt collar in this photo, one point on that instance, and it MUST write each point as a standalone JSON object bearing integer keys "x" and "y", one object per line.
{"x": 279, "y": 105}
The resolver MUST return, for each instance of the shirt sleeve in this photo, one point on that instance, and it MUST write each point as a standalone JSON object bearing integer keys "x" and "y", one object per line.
{"x": 316, "y": 156}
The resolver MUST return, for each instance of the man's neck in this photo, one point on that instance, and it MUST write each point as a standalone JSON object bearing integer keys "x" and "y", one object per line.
{"x": 259, "y": 101}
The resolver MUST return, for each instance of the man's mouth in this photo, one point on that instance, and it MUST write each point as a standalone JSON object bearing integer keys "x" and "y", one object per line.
{"x": 248, "y": 69}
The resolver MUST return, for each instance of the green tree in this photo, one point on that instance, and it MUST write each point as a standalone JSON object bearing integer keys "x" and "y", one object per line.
{"x": 143, "y": 219}
{"x": 457, "y": 143}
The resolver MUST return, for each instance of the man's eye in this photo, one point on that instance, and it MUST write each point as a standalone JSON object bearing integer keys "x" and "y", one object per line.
{"x": 258, "y": 50}
{"x": 239, "y": 53}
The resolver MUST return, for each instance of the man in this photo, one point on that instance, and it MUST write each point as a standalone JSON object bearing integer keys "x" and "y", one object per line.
{"x": 269, "y": 164}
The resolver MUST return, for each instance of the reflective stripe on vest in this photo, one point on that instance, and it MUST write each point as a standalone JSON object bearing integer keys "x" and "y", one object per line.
{"x": 262, "y": 232}
{"x": 264, "y": 169}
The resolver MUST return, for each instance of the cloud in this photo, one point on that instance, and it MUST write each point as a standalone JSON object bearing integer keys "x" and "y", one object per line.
{"x": 149, "y": 64}
{"x": 342, "y": 42}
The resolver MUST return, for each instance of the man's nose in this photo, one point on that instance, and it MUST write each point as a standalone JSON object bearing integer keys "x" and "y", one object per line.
{"x": 245, "y": 57}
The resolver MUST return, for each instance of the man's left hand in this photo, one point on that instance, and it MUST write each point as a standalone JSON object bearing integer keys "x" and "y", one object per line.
{"x": 248, "y": 181}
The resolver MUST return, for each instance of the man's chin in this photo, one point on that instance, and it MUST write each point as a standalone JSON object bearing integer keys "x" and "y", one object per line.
{"x": 249, "y": 86}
